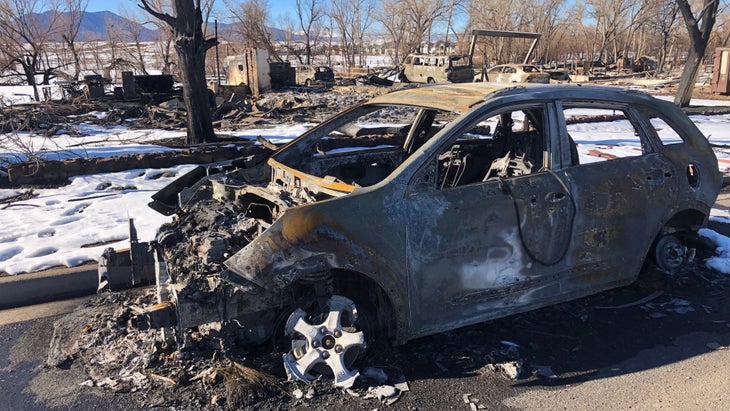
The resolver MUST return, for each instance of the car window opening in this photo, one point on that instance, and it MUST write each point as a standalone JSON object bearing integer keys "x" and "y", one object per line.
{"x": 506, "y": 145}
{"x": 609, "y": 129}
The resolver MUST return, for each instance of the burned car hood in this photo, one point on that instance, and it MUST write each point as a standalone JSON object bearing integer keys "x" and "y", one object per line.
{"x": 303, "y": 240}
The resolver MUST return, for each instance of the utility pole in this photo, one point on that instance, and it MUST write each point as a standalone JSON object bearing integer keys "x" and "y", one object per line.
{"x": 217, "y": 57}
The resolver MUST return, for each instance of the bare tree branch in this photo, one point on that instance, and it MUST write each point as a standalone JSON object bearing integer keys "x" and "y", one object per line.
{"x": 157, "y": 14}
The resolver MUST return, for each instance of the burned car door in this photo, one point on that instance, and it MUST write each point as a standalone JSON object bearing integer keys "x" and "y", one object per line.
{"x": 487, "y": 222}
{"x": 545, "y": 211}
{"x": 624, "y": 188}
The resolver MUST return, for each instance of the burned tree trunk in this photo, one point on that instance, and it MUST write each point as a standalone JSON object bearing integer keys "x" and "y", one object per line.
{"x": 191, "y": 47}
{"x": 698, "y": 39}
{"x": 29, "y": 72}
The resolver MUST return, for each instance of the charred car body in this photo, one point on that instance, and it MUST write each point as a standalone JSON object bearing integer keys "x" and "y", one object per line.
{"x": 427, "y": 68}
{"x": 424, "y": 210}
{"x": 517, "y": 73}
{"x": 309, "y": 75}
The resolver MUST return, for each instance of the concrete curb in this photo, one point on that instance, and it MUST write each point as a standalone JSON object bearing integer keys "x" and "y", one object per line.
{"x": 50, "y": 285}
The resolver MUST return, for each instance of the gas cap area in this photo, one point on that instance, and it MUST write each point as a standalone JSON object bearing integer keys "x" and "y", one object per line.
{"x": 693, "y": 175}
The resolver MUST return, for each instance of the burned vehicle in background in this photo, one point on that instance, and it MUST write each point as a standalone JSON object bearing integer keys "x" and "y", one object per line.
{"x": 428, "y": 209}
{"x": 428, "y": 68}
{"x": 309, "y": 75}
{"x": 517, "y": 73}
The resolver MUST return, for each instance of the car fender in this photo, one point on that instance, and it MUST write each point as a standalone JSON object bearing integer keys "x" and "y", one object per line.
{"x": 307, "y": 240}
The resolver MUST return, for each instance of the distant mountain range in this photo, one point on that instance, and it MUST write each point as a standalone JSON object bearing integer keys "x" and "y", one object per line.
{"x": 96, "y": 26}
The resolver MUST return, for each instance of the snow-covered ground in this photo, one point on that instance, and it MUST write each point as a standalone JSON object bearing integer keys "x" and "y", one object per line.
{"x": 73, "y": 224}
{"x": 10, "y": 95}
{"x": 98, "y": 141}
{"x": 721, "y": 261}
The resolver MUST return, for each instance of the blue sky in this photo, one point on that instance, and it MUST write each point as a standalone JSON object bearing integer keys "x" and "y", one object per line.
{"x": 109, "y": 5}
{"x": 276, "y": 7}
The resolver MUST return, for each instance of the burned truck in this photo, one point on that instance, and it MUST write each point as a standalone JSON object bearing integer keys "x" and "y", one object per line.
{"x": 424, "y": 210}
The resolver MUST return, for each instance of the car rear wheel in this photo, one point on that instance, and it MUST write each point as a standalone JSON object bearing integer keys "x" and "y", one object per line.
{"x": 325, "y": 341}
{"x": 669, "y": 253}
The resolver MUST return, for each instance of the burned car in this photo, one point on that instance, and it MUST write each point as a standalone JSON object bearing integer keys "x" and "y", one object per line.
{"x": 517, "y": 73}
{"x": 309, "y": 75}
{"x": 427, "y": 68}
{"x": 428, "y": 209}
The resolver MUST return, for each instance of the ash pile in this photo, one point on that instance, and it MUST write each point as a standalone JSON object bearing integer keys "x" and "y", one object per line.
{"x": 230, "y": 112}
{"x": 207, "y": 374}
{"x": 217, "y": 364}
{"x": 234, "y": 111}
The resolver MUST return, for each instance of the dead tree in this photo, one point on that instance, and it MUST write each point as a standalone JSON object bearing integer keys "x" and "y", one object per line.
{"x": 309, "y": 12}
{"x": 664, "y": 22}
{"x": 699, "y": 30}
{"x": 164, "y": 41}
{"x": 191, "y": 46}
{"x": 251, "y": 16}
{"x": 73, "y": 15}
{"x": 353, "y": 18}
{"x": 395, "y": 23}
{"x": 24, "y": 39}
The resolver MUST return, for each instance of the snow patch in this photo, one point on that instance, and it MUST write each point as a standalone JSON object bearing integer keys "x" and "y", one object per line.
{"x": 721, "y": 261}
{"x": 55, "y": 229}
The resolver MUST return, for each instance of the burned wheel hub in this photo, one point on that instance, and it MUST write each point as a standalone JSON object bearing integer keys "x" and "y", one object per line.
{"x": 329, "y": 343}
{"x": 670, "y": 253}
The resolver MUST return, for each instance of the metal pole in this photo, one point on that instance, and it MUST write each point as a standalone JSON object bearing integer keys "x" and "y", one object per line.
{"x": 217, "y": 57}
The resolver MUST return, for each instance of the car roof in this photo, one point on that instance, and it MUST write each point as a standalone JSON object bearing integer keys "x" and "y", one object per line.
{"x": 436, "y": 55}
{"x": 514, "y": 65}
{"x": 458, "y": 97}
{"x": 461, "y": 97}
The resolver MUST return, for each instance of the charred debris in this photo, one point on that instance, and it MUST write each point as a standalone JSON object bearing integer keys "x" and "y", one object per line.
{"x": 234, "y": 112}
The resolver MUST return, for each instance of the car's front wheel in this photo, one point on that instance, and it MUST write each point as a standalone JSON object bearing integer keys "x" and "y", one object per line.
{"x": 325, "y": 341}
